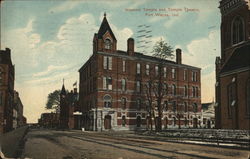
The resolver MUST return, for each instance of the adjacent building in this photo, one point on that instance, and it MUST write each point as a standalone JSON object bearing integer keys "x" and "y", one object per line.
{"x": 208, "y": 115}
{"x": 233, "y": 66}
{"x": 112, "y": 87}
{"x": 70, "y": 114}
{"x": 49, "y": 120}
{"x": 7, "y": 77}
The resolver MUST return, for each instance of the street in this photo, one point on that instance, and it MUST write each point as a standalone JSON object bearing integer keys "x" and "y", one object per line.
{"x": 52, "y": 144}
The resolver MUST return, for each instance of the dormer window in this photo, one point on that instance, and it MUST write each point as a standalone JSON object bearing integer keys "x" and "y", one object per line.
{"x": 108, "y": 44}
{"x": 237, "y": 30}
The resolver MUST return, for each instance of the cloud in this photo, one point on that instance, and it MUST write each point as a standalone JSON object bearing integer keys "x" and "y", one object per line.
{"x": 67, "y": 5}
{"x": 22, "y": 42}
{"x": 50, "y": 69}
{"x": 43, "y": 65}
{"x": 201, "y": 53}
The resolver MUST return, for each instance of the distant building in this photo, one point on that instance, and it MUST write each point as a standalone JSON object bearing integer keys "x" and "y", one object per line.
{"x": 233, "y": 67}
{"x": 49, "y": 120}
{"x": 19, "y": 107}
{"x": 208, "y": 115}
{"x": 69, "y": 109}
{"x": 112, "y": 83}
{"x": 7, "y": 77}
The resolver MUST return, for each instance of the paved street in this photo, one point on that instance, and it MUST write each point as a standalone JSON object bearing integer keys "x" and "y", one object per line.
{"x": 52, "y": 144}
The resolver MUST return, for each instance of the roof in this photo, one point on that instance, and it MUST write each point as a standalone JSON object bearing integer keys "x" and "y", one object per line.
{"x": 141, "y": 55}
{"x": 63, "y": 91}
{"x": 239, "y": 59}
{"x": 104, "y": 28}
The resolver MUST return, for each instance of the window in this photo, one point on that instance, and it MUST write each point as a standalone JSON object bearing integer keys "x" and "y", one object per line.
{"x": 123, "y": 103}
{"x": 107, "y": 83}
{"x": 173, "y": 89}
{"x": 195, "y": 107}
{"x": 138, "y": 68}
{"x": 231, "y": 92}
{"x": 1, "y": 98}
{"x": 173, "y": 73}
{"x": 147, "y": 69}
{"x": 123, "y": 85}
{"x": 193, "y": 91}
{"x": 123, "y": 66}
{"x": 194, "y": 76}
{"x": 185, "y": 91}
{"x": 138, "y": 86}
{"x": 237, "y": 30}
{"x": 174, "y": 121}
{"x": 156, "y": 70}
{"x": 107, "y": 101}
{"x": 185, "y": 107}
{"x": 1, "y": 77}
{"x": 138, "y": 121}
{"x": 123, "y": 120}
{"x": 196, "y": 91}
{"x": 138, "y": 104}
{"x": 165, "y": 88}
{"x": 185, "y": 75}
{"x": 174, "y": 106}
{"x": 107, "y": 44}
{"x": 166, "y": 105}
{"x": 248, "y": 97}
{"x": 107, "y": 63}
{"x": 164, "y": 72}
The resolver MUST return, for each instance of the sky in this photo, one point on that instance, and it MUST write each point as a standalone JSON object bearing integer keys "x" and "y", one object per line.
{"x": 50, "y": 40}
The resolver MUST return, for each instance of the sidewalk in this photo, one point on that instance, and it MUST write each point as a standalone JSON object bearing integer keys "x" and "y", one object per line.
{"x": 11, "y": 142}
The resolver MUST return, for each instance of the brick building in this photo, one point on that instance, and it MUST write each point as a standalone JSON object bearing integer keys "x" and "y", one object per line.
{"x": 49, "y": 120}
{"x": 112, "y": 83}
{"x": 69, "y": 109}
{"x": 19, "y": 107}
{"x": 7, "y": 77}
{"x": 233, "y": 67}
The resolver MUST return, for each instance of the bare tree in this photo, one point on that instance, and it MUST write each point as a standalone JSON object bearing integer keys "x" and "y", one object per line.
{"x": 156, "y": 89}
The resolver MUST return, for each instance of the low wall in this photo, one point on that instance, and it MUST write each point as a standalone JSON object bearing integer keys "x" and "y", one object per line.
{"x": 11, "y": 143}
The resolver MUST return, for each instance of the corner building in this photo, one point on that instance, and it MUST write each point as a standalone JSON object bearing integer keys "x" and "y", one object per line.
{"x": 7, "y": 78}
{"x": 233, "y": 67}
{"x": 112, "y": 95}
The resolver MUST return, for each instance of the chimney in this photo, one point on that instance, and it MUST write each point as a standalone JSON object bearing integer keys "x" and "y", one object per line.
{"x": 178, "y": 56}
{"x": 131, "y": 45}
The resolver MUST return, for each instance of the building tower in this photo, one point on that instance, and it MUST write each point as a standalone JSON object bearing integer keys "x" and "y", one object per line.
{"x": 233, "y": 67}
{"x": 64, "y": 112}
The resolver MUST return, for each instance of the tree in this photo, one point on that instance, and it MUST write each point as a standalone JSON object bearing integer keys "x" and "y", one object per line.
{"x": 53, "y": 101}
{"x": 162, "y": 51}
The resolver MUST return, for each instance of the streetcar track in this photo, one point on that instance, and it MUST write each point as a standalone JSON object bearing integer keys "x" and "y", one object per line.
{"x": 93, "y": 139}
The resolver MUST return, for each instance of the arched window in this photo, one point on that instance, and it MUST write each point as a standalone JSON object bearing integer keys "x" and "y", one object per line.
{"x": 123, "y": 120}
{"x": 108, "y": 44}
{"x": 138, "y": 121}
{"x": 237, "y": 30}
{"x": 123, "y": 103}
{"x": 248, "y": 97}
{"x": 123, "y": 85}
{"x": 107, "y": 101}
